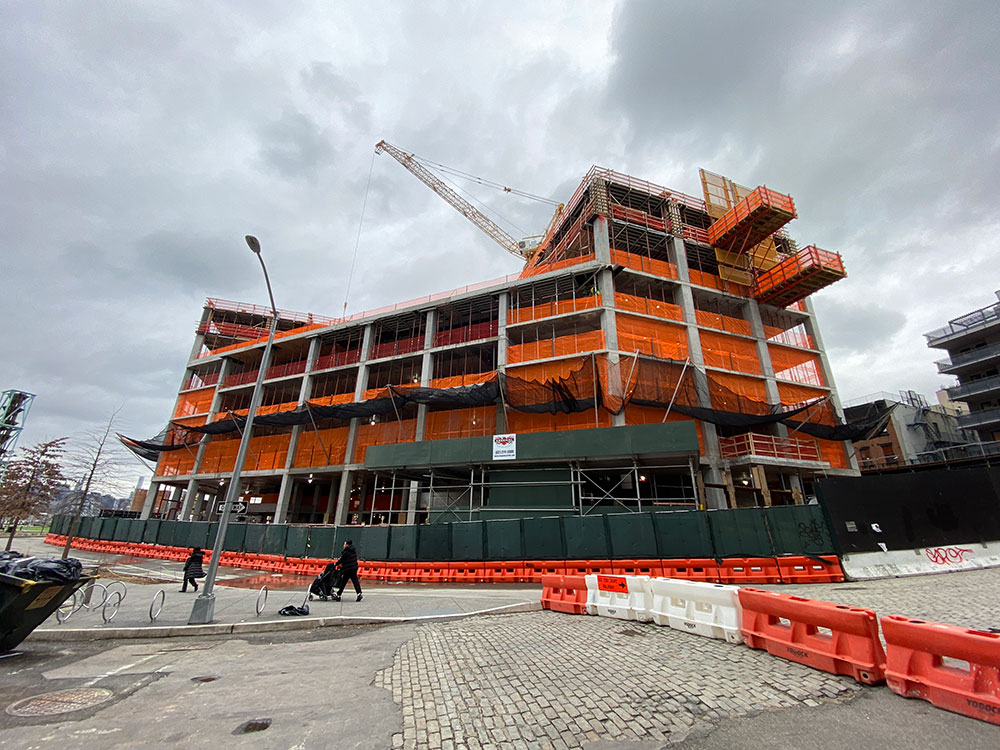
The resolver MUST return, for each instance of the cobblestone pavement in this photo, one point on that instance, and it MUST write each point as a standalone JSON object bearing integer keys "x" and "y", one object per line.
{"x": 550, "y": 680}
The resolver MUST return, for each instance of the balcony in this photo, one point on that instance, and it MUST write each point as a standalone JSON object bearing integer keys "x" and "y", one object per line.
{"x": 982, "y": 387}
{"x": 979, "y": 420}
{"x": 768, "y": 446}
{"x": 974, "y": 322}
{"x": 971, "y": 358}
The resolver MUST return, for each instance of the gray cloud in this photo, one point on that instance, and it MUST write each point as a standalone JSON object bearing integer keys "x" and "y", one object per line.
{"x": 141, "y": 142}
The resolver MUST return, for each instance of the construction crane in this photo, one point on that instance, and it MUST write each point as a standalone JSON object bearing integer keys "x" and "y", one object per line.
{"x": 523, "y": 248}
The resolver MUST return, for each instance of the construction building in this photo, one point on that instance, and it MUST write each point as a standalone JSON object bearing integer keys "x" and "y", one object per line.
{"x": 911, "y": 432}
{"x": 657, "y": 351}
{"x": 973, "y": 345}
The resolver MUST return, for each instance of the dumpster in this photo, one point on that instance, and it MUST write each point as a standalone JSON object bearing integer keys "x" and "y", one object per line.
{"x": 24, "y": 605}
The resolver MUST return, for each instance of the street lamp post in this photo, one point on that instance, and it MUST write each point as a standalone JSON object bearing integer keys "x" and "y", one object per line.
{"x": 204, "y": 605}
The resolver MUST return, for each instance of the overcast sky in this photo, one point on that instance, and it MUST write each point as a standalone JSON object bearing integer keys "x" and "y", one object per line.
{"x": 139, "y": 142}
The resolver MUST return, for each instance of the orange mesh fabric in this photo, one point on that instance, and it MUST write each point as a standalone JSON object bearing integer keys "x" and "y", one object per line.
{"x": 194, "y": 402}
{"x": 549, "y": 370}
{"x": 310, "y": 451}
{"x": 652, "y": 337}
{"x": 799, "y": 394}
{"x": 729, "y": 352}
{"x": 383, "y": 433}
{"x": 555, "y": 347}
{"x": 548, "y": 309}
{"x": 646, "y": 306}
{"x": 220, "y": 455}
{"x": 460, "y": 423}
{"x": 267, "y": 453}
{"x": 654, "y": 415}
{"x": 796, "y": 364}
{"x": 524, "y": 422}
{"x": 659, "y": 268}
{"x": 738, "y": 394}
{"x": 723, "y": 322}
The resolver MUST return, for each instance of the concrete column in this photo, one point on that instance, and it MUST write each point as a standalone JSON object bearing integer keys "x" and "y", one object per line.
{"x": 331, "y": 501}
{"x": 147, "y": 505}
{"x": 343, "y": 497}
{"x": 413, "y": 495}
{"x": 714, "y": 497}
{"x": 190, "y": 495}
{"x": 284, "y": 495}
{"x": 609, "y": 324}
{"x": 426, "y": 368}
{"x": 752, "y": 311}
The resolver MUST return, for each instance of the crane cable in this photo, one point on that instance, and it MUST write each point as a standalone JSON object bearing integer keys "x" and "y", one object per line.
{"x": 484, "y": 181}
{"x": 364, "y": 204}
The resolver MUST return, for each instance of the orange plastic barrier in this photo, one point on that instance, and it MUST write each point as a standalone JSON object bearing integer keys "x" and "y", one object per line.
{"x": 535, "y": 570}
{"x": 503, "y": 572}
{"x": 588, "y": 567}
{"x": 468, "y": 572}
{"x": 790, "y": 627}
{"x": 652, "y": 568}
{"x": 915, "y": 667}
{"x": 749, "y": 570}
{"x": 691, "y": 569}
{"x": 565, "y": 594}
{"x": 808, "y": 570}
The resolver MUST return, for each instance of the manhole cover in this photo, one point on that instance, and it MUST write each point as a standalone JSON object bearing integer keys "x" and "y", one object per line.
{"x": 59, "y": 702}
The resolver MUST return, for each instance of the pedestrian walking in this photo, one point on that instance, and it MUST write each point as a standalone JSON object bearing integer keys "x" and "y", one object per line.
{"x": 193, "y": 569}
{"x": 348, "y": 564}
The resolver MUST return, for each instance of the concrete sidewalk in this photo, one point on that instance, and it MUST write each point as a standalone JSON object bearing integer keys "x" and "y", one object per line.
{"x": 153, "y": 606}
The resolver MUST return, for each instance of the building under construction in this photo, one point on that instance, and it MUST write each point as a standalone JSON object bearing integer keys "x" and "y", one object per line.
{"x": 657, "y": 351}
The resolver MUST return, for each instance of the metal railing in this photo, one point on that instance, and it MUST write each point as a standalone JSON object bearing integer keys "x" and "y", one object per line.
{"x": 974, "y": 387}
{"x": 981, "y": 354}
{"x": 979, "y": 419}
{"x": 978, "y": 319}
{"x": 768, "y": 446}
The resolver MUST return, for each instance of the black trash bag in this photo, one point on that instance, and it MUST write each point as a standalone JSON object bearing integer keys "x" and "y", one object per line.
{"x": 35, "y": 569}
{"x": 6, "y": 555}
{"x": 292, "y": 610}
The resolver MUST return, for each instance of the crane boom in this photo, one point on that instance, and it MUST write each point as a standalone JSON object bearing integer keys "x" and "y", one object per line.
{"x": 521, "y": 249}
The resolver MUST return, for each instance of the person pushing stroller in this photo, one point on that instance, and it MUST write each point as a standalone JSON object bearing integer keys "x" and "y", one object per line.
{"x": 348, "y": 564}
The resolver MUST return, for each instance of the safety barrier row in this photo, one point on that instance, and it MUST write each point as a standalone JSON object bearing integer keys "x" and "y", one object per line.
{"x": 954, "y": 668}
{"x": 737, "y": 570}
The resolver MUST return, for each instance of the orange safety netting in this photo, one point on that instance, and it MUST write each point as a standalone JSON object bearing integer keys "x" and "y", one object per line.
{"x": 736, "y": 393}
{"x": 729, "y": 352}
{"x": 220, "y": 456}
{"x": 723, "y": 322}
{"x": 714, "y": 282}
{"x": 796, "y": 336}
{"x": 546, "y": 267}
{"x": 645, "y": 382}
{"x": 460, "y": 423}
{"x": 796, "y": 364}
{"x": 830, "y": 451}
{"x": 337, "y": 398}
{"x": 581, "y": 420}
{"x": 323, "y": 448}
{"x": 277, "y": 335}
{"x": 548, "y": 309}
{"x": 799, "y": 394}
{"x": 543, "y": 371}
{"x": 457, "y": 381}
{"x": 189, "y": 422}
{"x": 195, "y": 402}
{"x": 647, "y": 306}
{"x": 641, "y": 263}
{"x": 555, "y": 347}
{"x": 261, "y": 410}
{"x": 651, "y": 337}
{"x": 383, "y": 433}
{"x": 176, "y": 463}
{"x": 267, "y": 452}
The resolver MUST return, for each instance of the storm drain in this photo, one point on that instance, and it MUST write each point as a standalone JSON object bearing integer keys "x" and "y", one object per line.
{"x": 59, "y": 702}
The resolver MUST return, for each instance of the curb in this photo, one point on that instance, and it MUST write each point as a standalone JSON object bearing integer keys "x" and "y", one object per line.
{"x": 264, "y": 626}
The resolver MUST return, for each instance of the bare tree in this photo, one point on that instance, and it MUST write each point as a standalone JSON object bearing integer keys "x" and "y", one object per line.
{"x": 98, "y": 464}
{"x": 31, "y": 482}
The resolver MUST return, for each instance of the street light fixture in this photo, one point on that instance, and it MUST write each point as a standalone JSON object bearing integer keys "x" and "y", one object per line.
{"x": 204, "y": 606}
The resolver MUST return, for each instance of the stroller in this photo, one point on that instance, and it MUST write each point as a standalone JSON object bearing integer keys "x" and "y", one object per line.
{"x": 325, "y": 582}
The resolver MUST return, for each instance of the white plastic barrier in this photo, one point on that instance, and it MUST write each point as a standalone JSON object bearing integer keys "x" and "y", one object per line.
{"x": 623, "y": 597}
{"x": 709, "y": 609}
